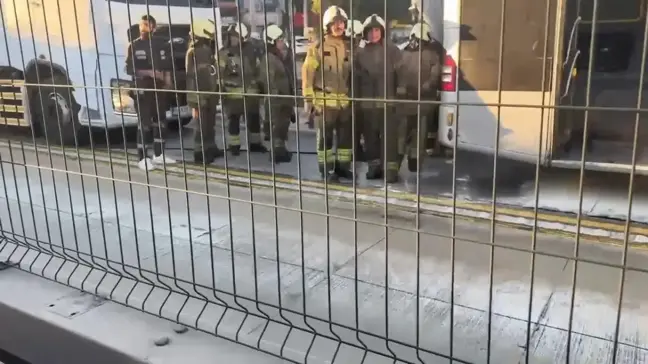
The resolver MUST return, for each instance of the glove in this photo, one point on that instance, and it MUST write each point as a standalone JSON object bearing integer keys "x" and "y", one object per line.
{"x": 293, "y": 118}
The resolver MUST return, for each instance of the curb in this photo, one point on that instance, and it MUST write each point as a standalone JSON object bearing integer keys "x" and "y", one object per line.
{"x": 524, "y": 218}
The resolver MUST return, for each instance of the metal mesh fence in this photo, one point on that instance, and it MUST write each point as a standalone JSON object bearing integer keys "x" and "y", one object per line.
{"x": 283, "y": 258}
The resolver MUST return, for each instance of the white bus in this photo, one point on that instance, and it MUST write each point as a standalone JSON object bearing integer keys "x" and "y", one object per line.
{"x": 83, "y": 43}
{"x": 545, "y": 62}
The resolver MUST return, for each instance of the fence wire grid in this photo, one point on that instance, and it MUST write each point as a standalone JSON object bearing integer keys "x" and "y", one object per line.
{"x": 283, "y": 260}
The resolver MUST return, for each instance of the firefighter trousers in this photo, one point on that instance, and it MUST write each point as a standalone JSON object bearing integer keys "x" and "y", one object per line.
{"x": 334, "y": 122}
{"x": 236, "y": 110}
{"x": 381, "y": 139}
{"x": 279, "y": 120}
{"x": 358, "y": 122}
{"x": 204, "y": 134}
{"x": 151, "y": 110}
{"x": 413, "y": 136}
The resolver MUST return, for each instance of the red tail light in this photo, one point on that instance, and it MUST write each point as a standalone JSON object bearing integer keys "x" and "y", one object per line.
{"x": 449, "y": 75}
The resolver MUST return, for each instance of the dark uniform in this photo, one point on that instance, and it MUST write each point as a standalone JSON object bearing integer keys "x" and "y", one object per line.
{"x": 239, "y": 72}
{"x": 277, "y": 78}
{"x": 358, "y": 121}
{"x": 201, "y": 76}
{"x": 408, "y": 88}
{"x": 150, "y": 54}
{"x": 355, "y": 43}
{"x": 377, "y": 64}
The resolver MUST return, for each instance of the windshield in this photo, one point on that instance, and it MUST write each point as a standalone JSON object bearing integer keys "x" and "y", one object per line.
{"x": 184, "y": 3}
{"x": 270, "y": 5}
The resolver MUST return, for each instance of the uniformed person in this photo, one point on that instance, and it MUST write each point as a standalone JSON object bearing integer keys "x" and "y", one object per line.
{"x": 149, "y": 62}
{"x": 420, "y": 50}
{"x": 377, "y": 62}
{"x": 276, "y": 78}
{"x": 239, "y": 63}
{"x": 200, "y": 64}
{"x": 354, "y": 35}
{"x": 325, "y": 83}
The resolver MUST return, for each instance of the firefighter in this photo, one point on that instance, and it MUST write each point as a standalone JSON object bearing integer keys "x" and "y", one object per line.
{"x": 149, "y": 62}
{"x": 420, "y": 50}
{"x": 325, "y": 83}
{"x": 201, "y": 72}
{"x": 354, "y": 34}
{"x": 377, "y": 62}
{"x": 238, "y": 65}
{"x": 277, "y": 79}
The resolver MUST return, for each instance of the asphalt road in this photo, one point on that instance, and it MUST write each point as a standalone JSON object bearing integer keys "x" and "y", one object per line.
{"x": 304, "y": 255}
{"x": 604, "y": 194}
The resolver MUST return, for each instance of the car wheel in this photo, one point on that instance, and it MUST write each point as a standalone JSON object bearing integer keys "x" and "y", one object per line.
{"x": 55, "y": 114}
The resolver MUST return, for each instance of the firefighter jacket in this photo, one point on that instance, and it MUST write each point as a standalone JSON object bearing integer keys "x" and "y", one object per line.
{"x": 326, "y": 73}
{"x": 376, "y": 65}
{"x": 276, "y": 77}
{"x": 408, "y": 76}
{"x": 239, "y": 70}
{"x": 201, "y": 74}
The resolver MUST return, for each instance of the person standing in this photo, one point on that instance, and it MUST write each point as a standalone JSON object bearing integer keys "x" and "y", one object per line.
{"x": 276, "y": 76}
{"x": 148, "y": 61}
{"x": 419, "y": 51}
{"x": 238, "y": 64}
{"x": 201, "y": 77}
{"x": 354, "y": 35}
{"x": 326, "y": 87}
{"x": 377, "y": 62}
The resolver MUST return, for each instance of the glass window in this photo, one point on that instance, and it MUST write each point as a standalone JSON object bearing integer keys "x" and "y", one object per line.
{"x": 187, "y": 3}
{"x": 524, "y": 42}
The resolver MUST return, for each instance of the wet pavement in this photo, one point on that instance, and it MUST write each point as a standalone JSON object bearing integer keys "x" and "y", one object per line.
{"x": 604, "y": 194}
{"x": 305, "y": 256}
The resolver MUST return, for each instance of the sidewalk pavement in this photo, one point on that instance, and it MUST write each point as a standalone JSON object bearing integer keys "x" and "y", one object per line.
{"x": 186, "y": 235}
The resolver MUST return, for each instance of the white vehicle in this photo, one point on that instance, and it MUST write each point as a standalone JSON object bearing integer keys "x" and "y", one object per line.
{"x": 80, "y": 46}
{"x": 547, "y": 70}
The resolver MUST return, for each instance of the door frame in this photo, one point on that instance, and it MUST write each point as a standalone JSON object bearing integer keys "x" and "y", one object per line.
{"x": 557, "y": 80}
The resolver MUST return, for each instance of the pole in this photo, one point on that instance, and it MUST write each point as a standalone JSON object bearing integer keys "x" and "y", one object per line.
{"x": 306, "y": 18}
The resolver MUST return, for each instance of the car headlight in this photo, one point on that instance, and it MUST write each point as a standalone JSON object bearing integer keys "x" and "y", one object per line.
{"x": 121, "y": 100}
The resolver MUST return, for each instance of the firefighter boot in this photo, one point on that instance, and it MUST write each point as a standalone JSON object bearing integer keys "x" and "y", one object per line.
{"x": 412, "y": 164}
{"x": 281, "y": 155}
{"x": 375, "y": 171}
{"x": 344, "y": 171}
{"x": 257, "y": 148}
{"x": 235, "y": 150}
{"x": 328, "y": 174}
{"x": 391, "y": 176}
{"x": 210, "y": 155}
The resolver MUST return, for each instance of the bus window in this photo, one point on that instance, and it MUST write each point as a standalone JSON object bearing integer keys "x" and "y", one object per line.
{"x": 524, "y": 44}
{"x": 613, "y": 11}
{"x": 182, "y": 3}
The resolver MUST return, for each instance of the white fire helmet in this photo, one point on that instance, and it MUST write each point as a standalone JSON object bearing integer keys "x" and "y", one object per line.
{"x": 373, "y": 21}
{"x": 272, "y": 33}
{"x": 353, "y": 28}
{"x": 203, "y": 28}
{"x": 332, "y": 14}
{"x": 240, "y": 29}
{"x": 421, "y": 31}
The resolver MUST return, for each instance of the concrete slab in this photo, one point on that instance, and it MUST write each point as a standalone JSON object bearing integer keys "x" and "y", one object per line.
{"x": 205, "y": 248}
